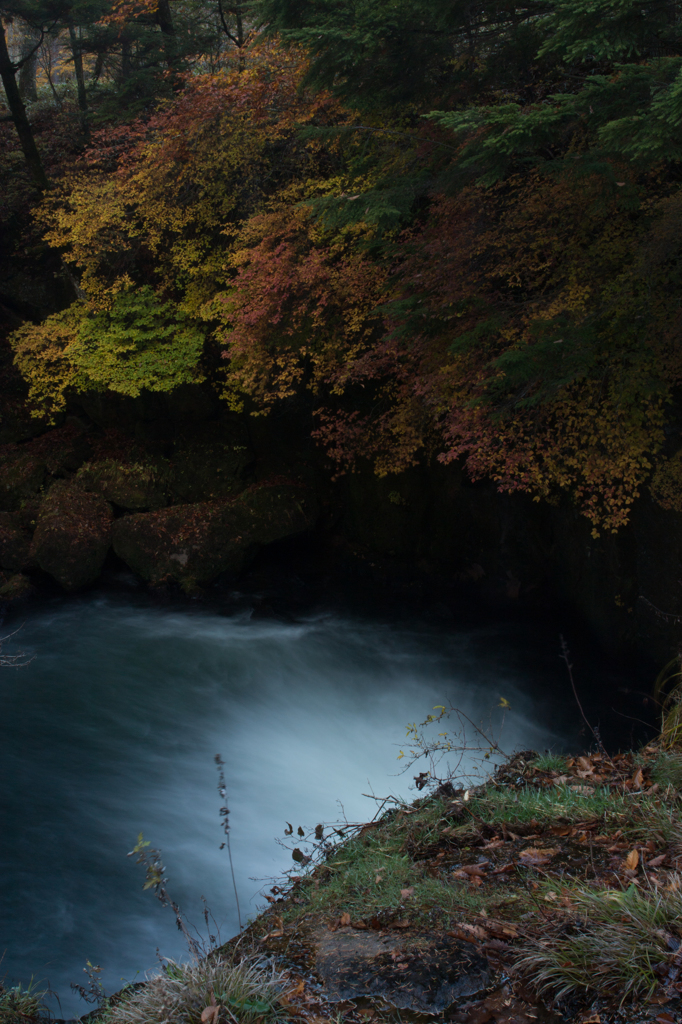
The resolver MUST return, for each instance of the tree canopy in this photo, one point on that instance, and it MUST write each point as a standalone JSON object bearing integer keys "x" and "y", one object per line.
{"x": 454, "y": 227}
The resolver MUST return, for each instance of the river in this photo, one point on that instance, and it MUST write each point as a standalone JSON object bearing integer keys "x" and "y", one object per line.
{"x": 112, "y": 728}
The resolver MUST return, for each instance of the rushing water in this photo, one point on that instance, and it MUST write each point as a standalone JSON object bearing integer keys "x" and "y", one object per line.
{"x": 112, "y": 729}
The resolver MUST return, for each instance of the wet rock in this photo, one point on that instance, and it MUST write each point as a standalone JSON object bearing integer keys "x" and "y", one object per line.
{"x": 419, "y": 975}
{"x": 133, "y": 486}
{"x": 73, "y": 534}
{"x": 194, "y": 543}
{"x": 16, "y": 588}
{"x": 15, "y": 543}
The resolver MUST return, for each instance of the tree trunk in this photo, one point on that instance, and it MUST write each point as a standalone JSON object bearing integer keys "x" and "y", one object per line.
{"x": 18, "y": 112}
{"x": 126, "y": 60}
{"x": 164, "y": 20}
{"x": 27, "y": 71}
{"x": 80, "y": 78}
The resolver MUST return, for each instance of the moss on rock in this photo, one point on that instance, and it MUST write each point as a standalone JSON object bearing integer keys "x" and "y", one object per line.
{"x": 73, "y": 534}
{"x": 133, "y": 486}
{"x": 15, "y": 588}
{"x": 194, "y": 543}
{"x": 15, "y": 543}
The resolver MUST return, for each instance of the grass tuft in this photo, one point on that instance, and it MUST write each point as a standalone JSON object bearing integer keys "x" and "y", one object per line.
{"x": 618, "y": 947}
{"x": 550, "y": 763}
{"x": 667, "y": 770}
{"x": 245, "y": 992}
{"x": 22, "y": 1005}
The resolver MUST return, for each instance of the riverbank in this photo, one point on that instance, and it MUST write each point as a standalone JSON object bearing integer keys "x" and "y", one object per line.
{"x": 551, "y": 892}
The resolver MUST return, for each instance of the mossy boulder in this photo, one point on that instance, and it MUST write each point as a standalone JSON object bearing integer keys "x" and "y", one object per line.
{"x": 28, "y": 469}
{"x": 15, "y": 588}
{"x": 22, "y": 475}
{"x": 135, "y": 486}
{"x": 15, "y": 543}
{"x": 73, "y": 534}
{"x": 194, "y": 543}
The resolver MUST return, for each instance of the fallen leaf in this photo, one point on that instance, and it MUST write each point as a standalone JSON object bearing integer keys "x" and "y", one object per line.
{"x": 535, "y": 857}
{"x": 594, "y": 1018}
{"x": 400, "y": 924}
{"x": 464, "y": 933}
{"x": 209, "y": 1015}
{"x": 501, "y": 929}
{"x": 473, "y": 929}
{"x": 582, "y": 790}
{"x": 504, "y": 869}
{"x": 585, "y": 764}
{"x": 636, "y": 780}
{"x": 494, "y": 844}
{"x": 379, "y": 878}
{"x": 475, "y": 869}
{"x": 344, "y": 920}
{"x": 632, "y": 860}
{"x": 657, "y": 861}
{"x": 406, "y": 893}
{"x": 359, "y": 925}
{"x": 664, "y": 1018}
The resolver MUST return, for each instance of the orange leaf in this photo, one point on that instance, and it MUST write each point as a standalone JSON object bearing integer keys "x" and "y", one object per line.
{"x": 344, "y": 920}
{"x": 536, "y": 858}
{"x": 632, "y": 860}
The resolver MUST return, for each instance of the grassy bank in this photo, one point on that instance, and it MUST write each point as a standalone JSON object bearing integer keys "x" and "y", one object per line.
{"x": 558, "y": 875}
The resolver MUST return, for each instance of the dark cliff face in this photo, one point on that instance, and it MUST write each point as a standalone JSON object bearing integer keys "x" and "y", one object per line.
{"x": 167, "y": 463}
{"x": 508, "y": 549}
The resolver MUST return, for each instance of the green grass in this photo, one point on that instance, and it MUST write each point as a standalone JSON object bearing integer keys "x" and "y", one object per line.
{"x": 550, "y": 763}
{"x": 667, "y": 770}
{"x": 641, "y": 817}
{"x": 619, "y": 939}
{"x": 367, "y": 874}
{"x": 249, "y": 991}
{"x": 22, "y": 1005}
{"x": 370, "y": 884}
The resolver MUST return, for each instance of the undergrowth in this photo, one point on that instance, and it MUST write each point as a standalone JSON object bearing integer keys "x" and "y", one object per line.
{"x": 22, "y": 1005}
{"x": 186, "y": 993}
{"x": 618, "y": 947}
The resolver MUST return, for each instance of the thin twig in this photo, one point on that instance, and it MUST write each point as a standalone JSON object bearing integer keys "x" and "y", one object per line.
{"x": 225, "y": 818}
{"x": 565, "y": 654}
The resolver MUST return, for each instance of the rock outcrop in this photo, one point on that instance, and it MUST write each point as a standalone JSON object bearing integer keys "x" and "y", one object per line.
{"x": 135, "y": 487}
{"x": 15, "y": 543}
{"x": 194, "y": 543}
{"x": 73, "y": 534}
